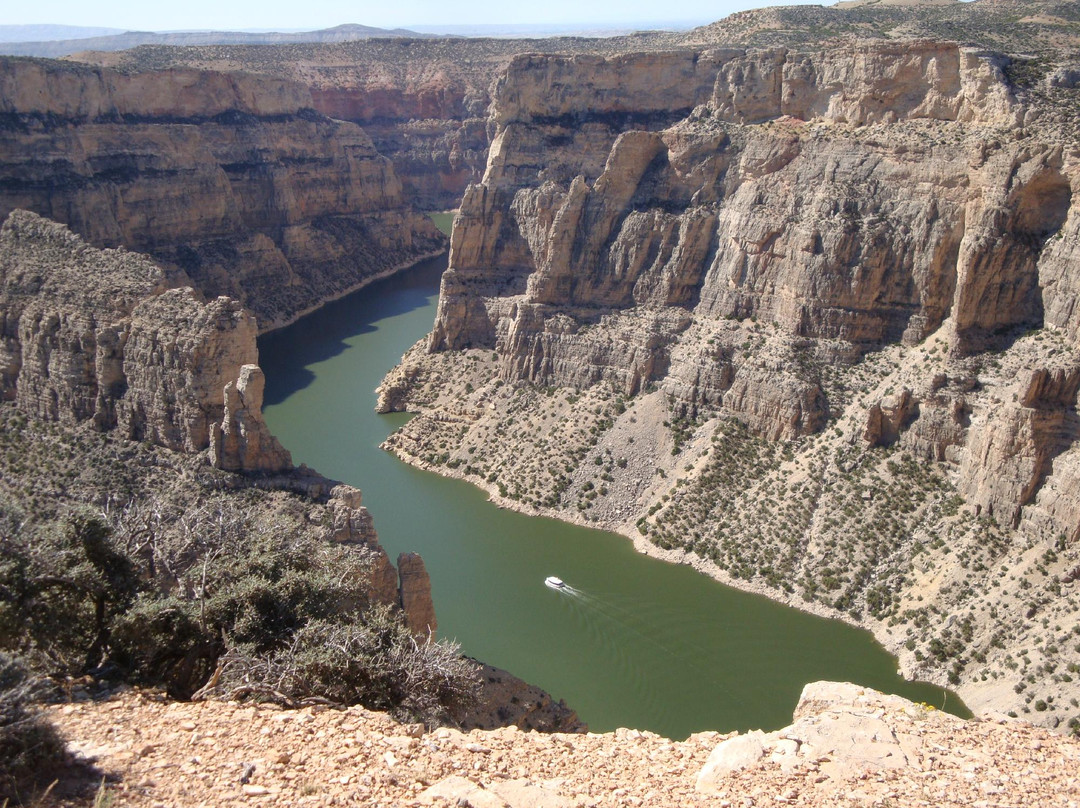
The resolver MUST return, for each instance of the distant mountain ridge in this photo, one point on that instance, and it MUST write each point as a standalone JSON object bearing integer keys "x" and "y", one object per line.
{"x": 131, "y": 39}
{"x": 45, "y": 33}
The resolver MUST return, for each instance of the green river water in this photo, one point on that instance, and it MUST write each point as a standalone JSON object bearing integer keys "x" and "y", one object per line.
{"x": 636, "y": 643}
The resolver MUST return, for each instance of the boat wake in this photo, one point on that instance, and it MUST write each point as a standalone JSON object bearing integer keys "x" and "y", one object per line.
{"x": 615, "y": 625}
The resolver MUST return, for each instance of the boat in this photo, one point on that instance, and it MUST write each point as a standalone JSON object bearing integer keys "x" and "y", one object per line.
{"x": 555, "y": 583}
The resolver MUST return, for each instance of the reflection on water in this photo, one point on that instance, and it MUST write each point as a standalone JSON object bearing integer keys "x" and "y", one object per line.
{"x": 630, "y": 641}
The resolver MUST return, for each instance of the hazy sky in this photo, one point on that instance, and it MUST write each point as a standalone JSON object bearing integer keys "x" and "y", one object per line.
{"x": 154, "y": 15}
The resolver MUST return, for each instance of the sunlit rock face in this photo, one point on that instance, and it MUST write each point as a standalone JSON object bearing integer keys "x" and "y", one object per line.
{"x": 634, "y": 207}
{"x": 91, "y": 335}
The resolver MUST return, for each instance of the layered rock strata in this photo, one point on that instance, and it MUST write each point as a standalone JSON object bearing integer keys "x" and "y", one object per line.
{"x": 233, "y": 182}
{"x": 94, "y": 336}
{"x": 817, "y": 336}
{"x": 424, "y": 102}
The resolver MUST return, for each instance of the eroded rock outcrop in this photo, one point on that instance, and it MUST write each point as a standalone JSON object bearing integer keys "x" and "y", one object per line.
{"x": 233, "y": 182}
{"x": 414, "y": 595}
{"x": 93, "y": 335}
{"x": 1011, "y": 455}
{"x": 845, "y": 730}
{"x": 241, "y": 440}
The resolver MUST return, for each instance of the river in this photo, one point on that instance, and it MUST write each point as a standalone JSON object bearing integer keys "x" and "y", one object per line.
{"x": 635, "y": 643}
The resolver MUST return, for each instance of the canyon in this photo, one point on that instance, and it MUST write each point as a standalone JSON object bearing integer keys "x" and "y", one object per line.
{"x": 802, "y": 319}
{"x": 791, "y": 298}
{"x": 143, "y": 404}
{"x": 233, "y": 183}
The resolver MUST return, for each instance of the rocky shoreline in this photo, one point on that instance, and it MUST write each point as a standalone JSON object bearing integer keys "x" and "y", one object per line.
{"x": 465, "y": 409}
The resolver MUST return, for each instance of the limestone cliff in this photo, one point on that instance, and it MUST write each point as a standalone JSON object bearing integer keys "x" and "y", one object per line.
{"x": 93, "y": 336}
{"x": 806, "y": 319}
{"x": 233, "y": 182}
{"x": 780, "y": 198}
{"x": 423, "y": 102}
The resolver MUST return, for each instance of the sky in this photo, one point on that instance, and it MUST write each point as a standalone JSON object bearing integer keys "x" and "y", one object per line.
{"x": 314, "y": 14}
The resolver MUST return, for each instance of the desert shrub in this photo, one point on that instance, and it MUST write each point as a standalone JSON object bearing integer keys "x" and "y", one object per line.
{"x": 376, "y": 662}
{"x": 30, "y": 747}
{"x": 222, "y": 591}
{"x": 163, "y": 641}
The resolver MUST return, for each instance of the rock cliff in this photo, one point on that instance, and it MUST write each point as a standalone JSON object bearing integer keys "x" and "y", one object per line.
{"x": 234, "y": 183}
{"x": 423, "y": 102}
{"x": 779, "y": 198}
{"x": 114, "y": 392}
{"x": 93, "y": 336}
{"x": 797, "y": 303}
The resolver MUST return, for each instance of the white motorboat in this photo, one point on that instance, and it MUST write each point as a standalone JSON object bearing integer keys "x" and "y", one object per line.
{"x": 555, "y": 583}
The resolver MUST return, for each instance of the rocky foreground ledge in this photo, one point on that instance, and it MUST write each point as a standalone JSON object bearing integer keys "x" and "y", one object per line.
{"x": 848, "y": 746}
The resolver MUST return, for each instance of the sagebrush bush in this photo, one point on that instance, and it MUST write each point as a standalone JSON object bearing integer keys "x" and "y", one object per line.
{"x": 376, "y": 662}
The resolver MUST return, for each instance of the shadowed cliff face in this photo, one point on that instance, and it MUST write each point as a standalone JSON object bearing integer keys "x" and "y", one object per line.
{"x": 234, "y": 182}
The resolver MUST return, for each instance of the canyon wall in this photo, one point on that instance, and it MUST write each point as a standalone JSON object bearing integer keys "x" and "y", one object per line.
{"x": 233, "y": 182}
{"x": 423, "y": 102}
{"x": 806, "y": 320}
{"x": 852, "y": 198}
{"x": 95, "y": 336}
{"x": 251, "y": 208}
{"x": 430, "y": 121}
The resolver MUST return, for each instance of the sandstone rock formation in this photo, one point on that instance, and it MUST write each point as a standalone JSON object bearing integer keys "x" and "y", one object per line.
{"x": 407, "y": 587}
{"x": 240, "y": 440}
{"x": 414, "y": 594}
{"x": 424, "y": 102}
{"x": 92, "y": 335}
{"x": 232, "y": 182}
{"x": 809, "y": 219}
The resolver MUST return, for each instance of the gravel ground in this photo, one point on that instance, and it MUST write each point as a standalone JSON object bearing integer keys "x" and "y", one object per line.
{"x": 157, "y": 753}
